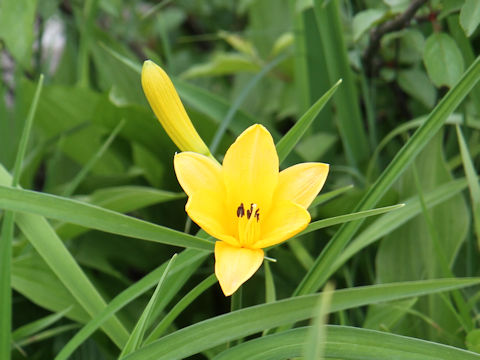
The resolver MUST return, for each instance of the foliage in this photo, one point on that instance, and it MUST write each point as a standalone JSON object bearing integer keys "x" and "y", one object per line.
{"x": 92, "y": 213}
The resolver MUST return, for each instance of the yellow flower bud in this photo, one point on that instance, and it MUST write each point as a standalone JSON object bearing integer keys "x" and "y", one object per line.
{"x": 168, "y": 108}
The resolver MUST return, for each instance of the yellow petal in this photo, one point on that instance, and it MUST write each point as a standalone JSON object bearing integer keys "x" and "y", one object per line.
{"x": 301, "y": 183}
{"x": 196, "y": 172}
{"x": 250, "y": 170}
{"x": 284, "y": 220}
{"x": 207, "y": 209}
{"x": 168, "y": 108}
{"x": 234, "y": 265}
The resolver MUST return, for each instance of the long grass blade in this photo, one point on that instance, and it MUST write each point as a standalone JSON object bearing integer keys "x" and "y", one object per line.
{"x": 215, "y": 331}
{"x": 136, "y": 337}
{"x": 94, "y": 217}
{"x": 293, "y": 136}
{"x": 341, "y": 340}
{"x": 185, "y": 259}
{"x": 472, "y": 179}
{"x": 6, "y": 236}
{"x": 320, "y": 272}
{"x": 239, "y": 101}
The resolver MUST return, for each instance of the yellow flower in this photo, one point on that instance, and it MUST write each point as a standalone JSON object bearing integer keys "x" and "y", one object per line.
{"x": 246, "y": 203}
{"x": 168, "y": 108}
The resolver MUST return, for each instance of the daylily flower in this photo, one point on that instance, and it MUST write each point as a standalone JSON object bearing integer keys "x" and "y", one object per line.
{"x": 246, "y": 203}
{"x": 169, "y": 110}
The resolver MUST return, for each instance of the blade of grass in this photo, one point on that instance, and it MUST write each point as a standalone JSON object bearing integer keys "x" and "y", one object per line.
{"x": 454, "y": 119}
{"x": 73, "y": 184}
{"x": 94, "y": 217}
{"x": 301, "y": 253}
{"x": 349, "y": 118}
{"x": 221, "y": 329}
{"x": 187, "y": 258}
{"x": 51, "y": 248}
{"x": 323, "y": 198}
{"x": 291, "y": 138}
{"x": 389, "y": 222}
{"x": 136, "y": 336}
{"x": 322, "y": 269}
{"x": 320, "y": 224}
{"x": 202, "y": 100}
{"x": 50, "y": 333}
{"x": 30, "y": 329}
{"x": 347, "y": 343}
{"x": 462, "y": 314}
{"x": 317, "y": 336}
{"x": 179, "y": 307}
{"x": 240, "y": 99}
{"x": 7, "y": 235}
{"x": 472, "y": 179}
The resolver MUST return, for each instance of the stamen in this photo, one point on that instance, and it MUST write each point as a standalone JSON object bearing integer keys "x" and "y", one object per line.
{"x": 240, "y": 210}
{"x": 250, "y": 212}
{"x": 248, "y": 228}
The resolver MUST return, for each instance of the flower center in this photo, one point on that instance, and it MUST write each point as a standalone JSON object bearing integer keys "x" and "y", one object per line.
{"x": 248, "y": 224}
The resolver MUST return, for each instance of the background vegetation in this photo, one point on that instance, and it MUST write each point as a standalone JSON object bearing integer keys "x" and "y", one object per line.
{"x": 86, "y": 252}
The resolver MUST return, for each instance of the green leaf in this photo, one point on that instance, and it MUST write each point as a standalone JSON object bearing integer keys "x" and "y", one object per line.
{"x": 240, "y": 99}
{"x": 293, "y": 136}
{"x": 35, "y": 326}
{"x": 473, "y": 340}
{"x": 321, "y": 270}
{"x": 122, "y": 199}
{"x": 136, "y": 336}
{"x": 223, "y": 64}
{"x": 317, "y": 336}
{"x": 187, "y": 259}
{"x": 349, "y": 118}
{"x": 470, "y": 16}
{"x": 347, "y": 343}
{"x": 410, "y": 252}
{"x": 320, "y": 224}
{"x": 417, "y": 84}
{"x": 82, "y": 174}
{"x": 168, "y": 319}
{"x": 221, "y": 329}
{"x": 472, "y": 179}
{"x": 51, "y": 248}
{"x": 7, "y": 233}
{"x": 443, "y": 60}
{"x": 17, "y": 18}
{"x": 32, "y": 278}
{"x": 391, "y": 221}
{"x": 95, "y": 217}
{"x": 283, "y": 42}
{"x": 323, "y": 198}
{"x": 46, "y": 334}
{"x": 365, "y": 20}
{"x": 238, "y": 43}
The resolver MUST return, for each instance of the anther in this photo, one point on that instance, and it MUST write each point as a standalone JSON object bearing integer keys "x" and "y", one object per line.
{"x": 241, "y": 210}
{"x": 257, "y": 214}
{"x": 250, "y": 212}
